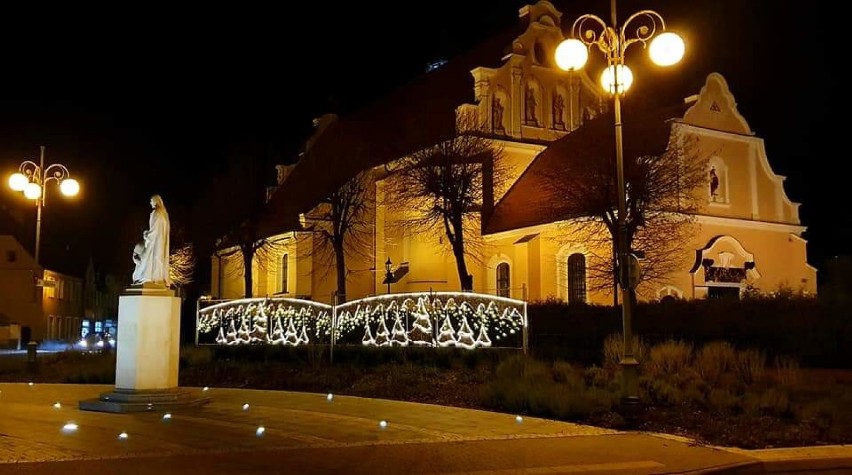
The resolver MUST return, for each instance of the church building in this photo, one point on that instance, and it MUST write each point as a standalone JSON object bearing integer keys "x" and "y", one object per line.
{"x": 745, "y": 235}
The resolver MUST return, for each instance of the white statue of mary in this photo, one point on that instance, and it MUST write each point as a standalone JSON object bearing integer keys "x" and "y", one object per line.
{"x": 152, "y": 254}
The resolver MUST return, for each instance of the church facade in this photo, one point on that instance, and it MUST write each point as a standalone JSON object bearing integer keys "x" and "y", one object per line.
{"x": 747, "y": 233}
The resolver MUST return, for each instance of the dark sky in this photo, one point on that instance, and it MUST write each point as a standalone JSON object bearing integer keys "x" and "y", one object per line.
{"x": 147, "y": 100}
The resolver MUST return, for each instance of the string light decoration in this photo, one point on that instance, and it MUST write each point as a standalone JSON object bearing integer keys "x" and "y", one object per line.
{"x": 247, "y": 321}
{"x": 425, "y": 319}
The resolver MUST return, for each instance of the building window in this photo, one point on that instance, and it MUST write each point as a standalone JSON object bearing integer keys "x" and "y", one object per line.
{"x": 50, "y": 288}
{"x": 576, "y": 278}
{"x": 503, "y": 279}
{"x": 284, "y": 272}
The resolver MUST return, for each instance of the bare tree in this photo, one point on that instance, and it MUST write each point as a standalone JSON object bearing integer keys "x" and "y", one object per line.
{"x": 182, "y": 265}
{"x": 440, "y": 189}
{"x": 662, "y": 193}
{"x": 233, "y": 207}
{"x": 341, "y": 224}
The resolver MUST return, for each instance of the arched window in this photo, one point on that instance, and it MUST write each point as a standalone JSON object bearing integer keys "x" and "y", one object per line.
{"x": 503, "y": 279}
{"x": 576, "y": 278}
{"x": 284, "y": 273}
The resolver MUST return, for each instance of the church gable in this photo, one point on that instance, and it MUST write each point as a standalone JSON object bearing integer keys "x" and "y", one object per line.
{"x": 528, "y": 97}
{"x": 716, "y": 108}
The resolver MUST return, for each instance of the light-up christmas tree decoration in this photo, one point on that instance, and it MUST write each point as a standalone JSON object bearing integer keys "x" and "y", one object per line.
{"x": 231, "y": 336}
{"x": 399, "y": 336}
{"x": 368, "y": 339}
{"x": 447, "y": 334}
{"x": 290, "y": 336}
{"x": 421, "y": 328}
{"x": 277, "y": 332}
{"x": 465, "y": 335}
{"x": 220, "y": 339}
{"x": 391, "y": 310}
{"x": 243, "y": 333}
{"x": 303, "y": 337}
{"x": 259, "y": 333}
{"x": 482, "y": 340}
{"x": 449, "y": 308}
{"x": 382, "y": 334}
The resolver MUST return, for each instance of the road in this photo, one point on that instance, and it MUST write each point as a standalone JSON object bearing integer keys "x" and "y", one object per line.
{"x": 308, "y": 433}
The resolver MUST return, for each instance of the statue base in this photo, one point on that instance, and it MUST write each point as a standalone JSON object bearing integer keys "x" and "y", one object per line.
{"x": 126, "y": 400}
{"x": 148, "y": 288}
{"x": 147, "y": 353}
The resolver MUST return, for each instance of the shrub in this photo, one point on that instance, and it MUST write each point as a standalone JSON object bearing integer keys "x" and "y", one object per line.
{"x": 715, "y": 359}
{"x": 661, "y": 392}
{"x": 596, "y": 377}
{"x": 527, "y": 385}
{"x": 772, "y": 402}
{"x": 750, "y": 366}
{"x": 772, "y": 324}
{"x": 787, "y": 371}
{"x": 566, "y": 374}
{"x": 668, "y": 358}
{"x": 723, "y": 400}
{"x": 821, "y": 414}
{"x": 613, "y": 350}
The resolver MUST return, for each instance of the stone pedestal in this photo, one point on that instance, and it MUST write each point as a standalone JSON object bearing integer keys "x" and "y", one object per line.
{"x": 147, "y": 354}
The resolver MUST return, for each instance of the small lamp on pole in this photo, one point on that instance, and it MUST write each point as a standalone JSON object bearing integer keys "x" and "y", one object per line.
{"x": 389, "y": 273}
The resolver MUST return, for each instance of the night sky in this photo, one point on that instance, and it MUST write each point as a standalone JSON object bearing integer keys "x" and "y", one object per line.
{"x": 150, "y": 101}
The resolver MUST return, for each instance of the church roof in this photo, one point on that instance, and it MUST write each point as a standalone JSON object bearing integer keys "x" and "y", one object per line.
{"x": 533, "y": 199}
{"x": 409, "y": 118}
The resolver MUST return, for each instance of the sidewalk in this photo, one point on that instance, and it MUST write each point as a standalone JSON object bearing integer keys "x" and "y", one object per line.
{"x": 310, "y": 433}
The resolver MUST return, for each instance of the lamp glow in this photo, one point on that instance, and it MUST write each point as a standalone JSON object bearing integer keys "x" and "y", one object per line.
{"x": 329, "y": 397}
{"x": 571, "y": 54}
{"x": 625, "y": 78}
{"x": 69, "y": 427}
{"x": 69, "y": 187}
{"x": 245, "y": 407}
{"x": 57, "y": 405}
{"x": 123, "y": 436}
{"x": 666, "y": 49}
{"x": 167, "y": 416}
{"x": 519, "y": 419}
{"x": 206, "y": 388}
{"x": 18, "y": 181}
{"x": 260, "y": 430}
{"x": 383, "y": 424}
{"x": 32, "y": 191}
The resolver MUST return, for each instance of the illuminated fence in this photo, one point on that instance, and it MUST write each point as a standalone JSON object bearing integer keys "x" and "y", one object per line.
{"x": 427, "y": 319}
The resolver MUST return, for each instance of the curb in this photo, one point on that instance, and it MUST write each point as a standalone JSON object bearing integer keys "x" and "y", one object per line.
{"x": 791, "y": 460}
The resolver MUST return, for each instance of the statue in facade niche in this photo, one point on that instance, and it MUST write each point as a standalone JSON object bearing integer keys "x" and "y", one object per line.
{"x": 714, "y": 184}
{"x": 497, "y": 115}
{"x": 558, "y": 111}
{"x": 530, "y": 104}
{"x": 151, "y": 256}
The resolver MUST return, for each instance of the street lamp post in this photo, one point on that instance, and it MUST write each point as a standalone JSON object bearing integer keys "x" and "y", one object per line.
{"x": 666, "y": 48}
{"x": 389, "y": 273}
{"x": 32, "y": 179}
